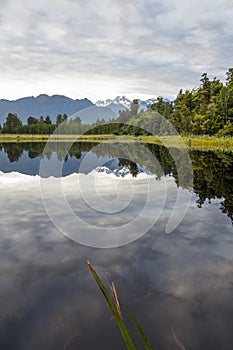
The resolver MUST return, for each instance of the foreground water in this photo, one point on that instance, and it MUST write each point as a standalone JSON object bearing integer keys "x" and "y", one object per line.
{"x": 181, "y": 281}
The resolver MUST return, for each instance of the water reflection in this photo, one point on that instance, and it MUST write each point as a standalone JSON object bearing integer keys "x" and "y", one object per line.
{"x": 213, "y": 171}
{"x": 181, "y": 281}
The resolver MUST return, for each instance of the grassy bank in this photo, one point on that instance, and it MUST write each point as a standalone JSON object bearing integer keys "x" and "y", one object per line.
{"x": 204, "y": 143}
{"x": 192, "y": 142}
{"x": 52, "y": 138}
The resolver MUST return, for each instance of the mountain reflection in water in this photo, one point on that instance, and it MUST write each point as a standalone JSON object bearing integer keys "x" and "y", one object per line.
{"x": 213, "y": 171}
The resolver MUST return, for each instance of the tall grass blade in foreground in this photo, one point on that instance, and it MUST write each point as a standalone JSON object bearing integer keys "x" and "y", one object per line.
{"x": 140, "y": 331}
{"x": 116, "y": 310}
{"x": 117, "y": 304}
{"x": 122, "y": 327}
{"x": 115, "y": 296}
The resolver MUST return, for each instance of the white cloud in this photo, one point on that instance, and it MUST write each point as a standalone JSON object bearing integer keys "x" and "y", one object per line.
{"x": 136, "y": 48}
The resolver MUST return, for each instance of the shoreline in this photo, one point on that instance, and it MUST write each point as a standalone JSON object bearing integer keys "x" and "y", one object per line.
{"x": 191, "y": 142}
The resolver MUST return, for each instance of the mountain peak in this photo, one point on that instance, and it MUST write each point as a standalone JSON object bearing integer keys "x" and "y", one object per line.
{"x": 122, "y": 101}
{"x": 42, "y": 96}
{"x": 42, "y": 105}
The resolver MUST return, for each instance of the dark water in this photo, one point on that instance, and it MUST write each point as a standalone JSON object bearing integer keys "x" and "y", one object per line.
{"x": 181, "y": 281}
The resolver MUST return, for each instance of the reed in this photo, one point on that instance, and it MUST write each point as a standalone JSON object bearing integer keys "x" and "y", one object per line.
{"x": 114, "y": 304}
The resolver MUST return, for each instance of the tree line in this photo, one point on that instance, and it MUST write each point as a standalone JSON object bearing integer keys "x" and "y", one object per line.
{"x": 41, "y": 125}
{"x": 205, "y": 110}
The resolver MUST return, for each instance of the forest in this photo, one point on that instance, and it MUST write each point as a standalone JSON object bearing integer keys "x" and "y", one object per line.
{"x": 205, "y": 110}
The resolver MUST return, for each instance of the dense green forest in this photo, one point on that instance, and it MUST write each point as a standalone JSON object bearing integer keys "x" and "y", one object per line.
{"x": 206, "y": 110}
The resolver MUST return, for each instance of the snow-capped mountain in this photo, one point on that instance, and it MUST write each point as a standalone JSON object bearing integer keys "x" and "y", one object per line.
{"x": 59, "y": 104}
{"x": 119, "y": 100}
{"x": 150, "y": 101}
{"x": 112, "y": 167}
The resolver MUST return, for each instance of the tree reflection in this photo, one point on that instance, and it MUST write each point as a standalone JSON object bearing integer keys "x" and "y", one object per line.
{"x": 213, "y": 171}
{"x": 13, "y": 151}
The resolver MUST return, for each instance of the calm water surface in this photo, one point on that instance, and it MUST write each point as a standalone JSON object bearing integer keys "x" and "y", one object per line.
{"x": 181, "y": 281}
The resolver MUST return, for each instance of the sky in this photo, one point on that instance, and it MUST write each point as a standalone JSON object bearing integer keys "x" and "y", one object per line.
{"x": 100, "y": 49}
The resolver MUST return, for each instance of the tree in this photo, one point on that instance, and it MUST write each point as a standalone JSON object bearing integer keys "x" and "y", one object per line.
{"x": 134, "y": 108}
{"x": 226, "y": 97}
{"x": 59, "y": 119}
{"x": 229, "y": 80}
{"x": 163, "y": 107}
{"x": 41, "y": 119}
{"x": 205, "y": 81}
{"x": 64, "y": 118}
{"x": 48, "y": 120}
{"x": 76, "y": 120}
{"x": 183, "y": 111}
{"x": 32, "y": 121}
{"x": 227, "y": 130}
{"x": 12, "y": 124}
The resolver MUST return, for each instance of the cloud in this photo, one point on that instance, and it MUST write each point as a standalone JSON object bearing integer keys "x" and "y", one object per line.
{"x": 46, "y": 287}
{"x": 145, "y": 47}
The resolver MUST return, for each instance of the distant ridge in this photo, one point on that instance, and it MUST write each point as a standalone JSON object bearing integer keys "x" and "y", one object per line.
{"x": 89, "y": 112}
{"x": 42, "y": 105}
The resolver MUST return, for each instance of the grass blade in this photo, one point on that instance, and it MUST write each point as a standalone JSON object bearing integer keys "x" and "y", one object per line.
{"x": 140, "y": 331}
{"x": 122, "y": 327}
{"x": 115, "y": 296}
{"x": 68, "y": 341}
{"x": 178, "y": 342}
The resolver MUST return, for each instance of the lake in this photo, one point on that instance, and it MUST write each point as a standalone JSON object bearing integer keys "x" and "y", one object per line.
{"x": 181, "y": 281}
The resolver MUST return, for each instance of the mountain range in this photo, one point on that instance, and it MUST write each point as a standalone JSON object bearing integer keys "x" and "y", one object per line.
{"x": 122, "y": 102}
{"x": 88, "y": 111}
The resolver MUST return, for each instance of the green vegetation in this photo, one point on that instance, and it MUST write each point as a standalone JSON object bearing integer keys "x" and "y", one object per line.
{"x": 203, "y": 116}
{"x": 206, "y": 110}
{"x": 52, "y": 138}
{"x": 192, "y": 142}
